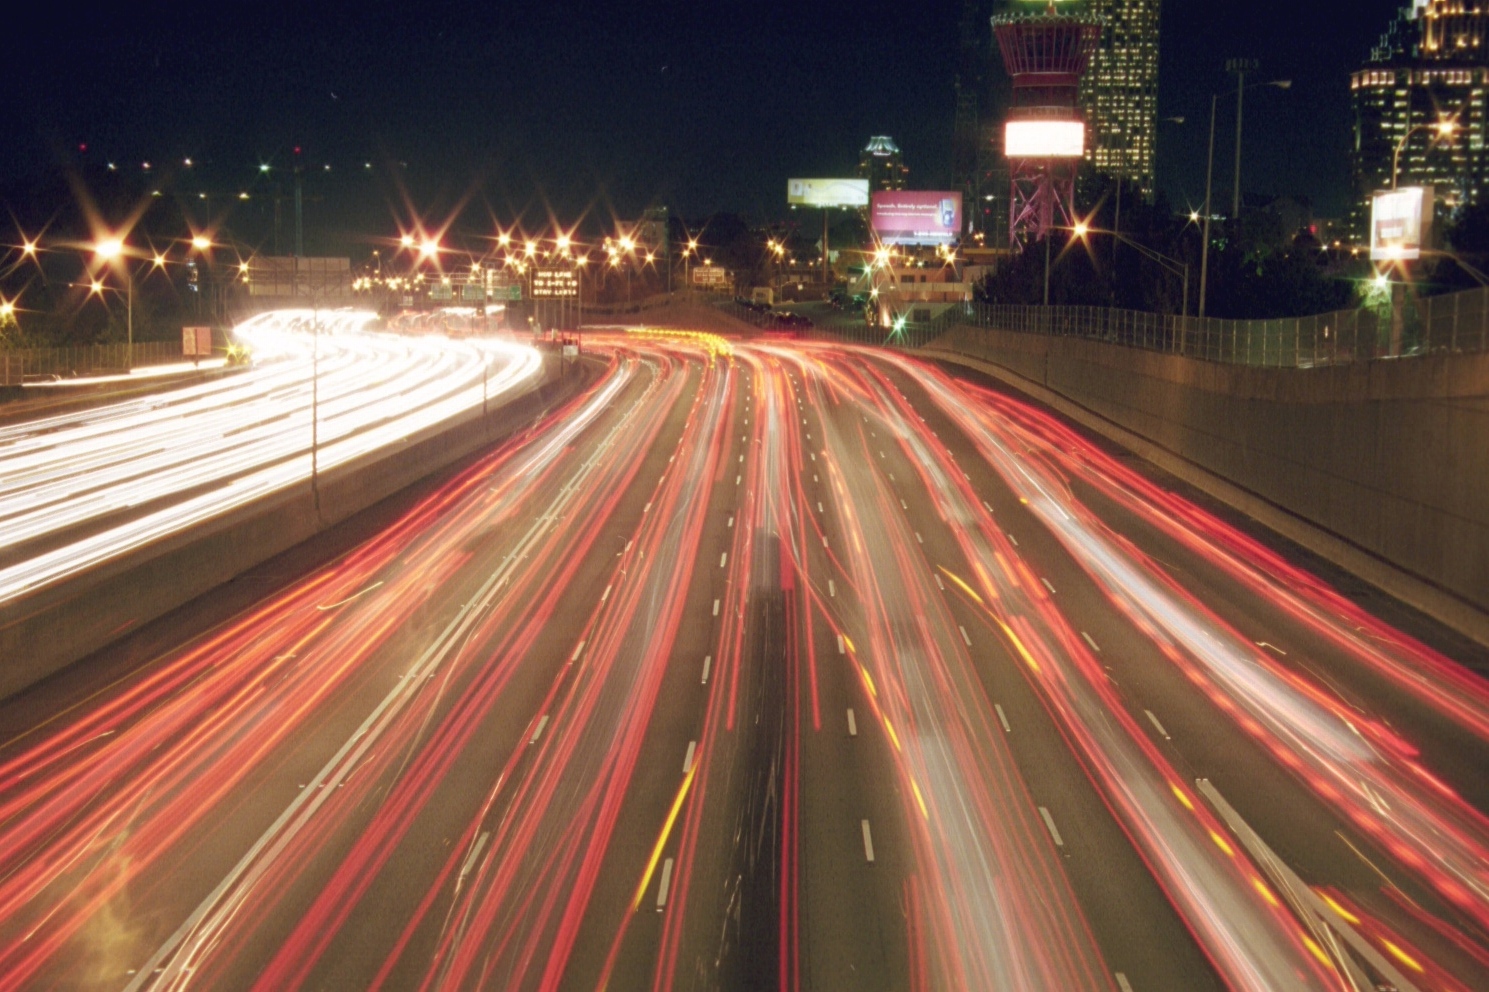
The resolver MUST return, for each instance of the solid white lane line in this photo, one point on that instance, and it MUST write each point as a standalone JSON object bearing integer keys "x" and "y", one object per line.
{"x": 964, "y": 634}
{"x": 578, "y": 648}
{"x": 1049, "y": 821}
{"x": 687, "y": 762}
{"x": 662, "y": 888}
{"x": 1153, "y": 718}
{"x": 1003, "y": 718}
{"x": 1090, "y": 642}
{"x": 542, "y": 722}
{"x": 1122, "y": 982}
{"x": 723, "y": 559}
{"x": 707, "y": 664}
{"x": 852, "y": 724}
{"x": 606, "y": 594}
{"x": 1047, "y": 585}
{"x": 868, "y": 843}
{"x": 716, "y": 607}
{"x": 832, "y": 589}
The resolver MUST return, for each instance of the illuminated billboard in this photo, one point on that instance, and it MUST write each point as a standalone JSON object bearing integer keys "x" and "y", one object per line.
{"x": 827, "y": 192}
{"x": 903, "y": 217}
{"x": 1044, "y": 139}
{"x": 1401, "y": 223}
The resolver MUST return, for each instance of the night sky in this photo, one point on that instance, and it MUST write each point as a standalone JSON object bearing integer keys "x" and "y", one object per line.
{"x": 705, "y": 106}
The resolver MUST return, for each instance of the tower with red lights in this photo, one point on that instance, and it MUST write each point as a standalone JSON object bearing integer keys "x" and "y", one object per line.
{"x": 1045, "y": 134}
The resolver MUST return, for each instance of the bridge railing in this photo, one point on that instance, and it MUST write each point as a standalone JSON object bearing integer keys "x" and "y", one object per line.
{"x": 1455, "y": 322}
{"x": 20, "y": 365}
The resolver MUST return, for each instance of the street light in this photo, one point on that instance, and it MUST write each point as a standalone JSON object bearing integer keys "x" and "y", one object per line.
{"x": 1173, "y": 265}
{"x": 1204, "y": 265}
{"x": 110, "y": 251}
{"x": 1443, "y": 129}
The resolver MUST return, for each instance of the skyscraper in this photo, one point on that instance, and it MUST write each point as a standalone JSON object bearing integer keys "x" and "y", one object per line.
{"x": 881, "y": 164}
{"x": 1120, "y": 91}
{"x": 1425, "y": 94}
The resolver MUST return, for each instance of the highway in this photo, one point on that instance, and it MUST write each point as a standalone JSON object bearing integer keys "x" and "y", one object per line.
{"x": 763, "y": 665}
{"x": 82, "y": 488}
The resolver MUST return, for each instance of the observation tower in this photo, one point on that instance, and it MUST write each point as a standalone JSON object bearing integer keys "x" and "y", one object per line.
{"x": 1045, "y": 135}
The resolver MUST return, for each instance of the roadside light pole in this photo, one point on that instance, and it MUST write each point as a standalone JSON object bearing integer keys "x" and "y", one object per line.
{"x": 1443, "y": 128}
{"x": 112, "y": 251}
{"x": 1204, "y": 267}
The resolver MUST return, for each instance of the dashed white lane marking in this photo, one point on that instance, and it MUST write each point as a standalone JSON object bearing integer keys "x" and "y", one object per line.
{"x": 606, "y": 594}
{"x": 1014, "y": 540}
{"x": 1153, "y": 719}
{"x": 964, "y": 635}
{"x": 687, "y": 761}
{"x": 814, "y": 477}
{"x": 824, "y": 540}
{"x": 1003, "y": 718}
{"x": 939, "y": 584}
{"x": 647, "y": 508}
{"x": 832, "y": 589}
{"x": 986, "y": 507}
{"x": 716, "y": 607}
{"x": 723, "y": 559}
{"x": 819, "y": 507}
{"x": 918, "y": 538}
{"x": 868, "y": 843}
{"x": 852, "y": 724}
{"x": 731, "y": 521}
{"x": 707, "y": 664}
{"x": 738, "y": 479}
{"x": 813, "y": 454}
{"x": 1047, "y": 585}
{"x": 842, "y": 647}
{"x": 1264, "y": 644}
{"x": 666, "y": 882}
{"x": 904, "y": 505}
{"x": 1090, "y": 642}
{"x": 741, "y": 458}
{"x": 577, "y": 649}
{"x": 538, "y": 732}
{"x": 1122, "y": 982}
{"x": 475, "y": 852}
{"x": 1049, "y": 821}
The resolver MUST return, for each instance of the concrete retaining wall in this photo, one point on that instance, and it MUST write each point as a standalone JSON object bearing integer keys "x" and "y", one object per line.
{"x": 1390, "y": 456}
{"x": 46, "y": 632}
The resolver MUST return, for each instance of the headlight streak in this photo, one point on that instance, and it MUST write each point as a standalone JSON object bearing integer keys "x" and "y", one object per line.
{"x": 227, "y": 445}
{"x": 90, "y": 810}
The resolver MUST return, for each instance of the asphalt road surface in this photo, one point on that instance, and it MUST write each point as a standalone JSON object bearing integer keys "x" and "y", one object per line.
{"x": 764, "y": 666}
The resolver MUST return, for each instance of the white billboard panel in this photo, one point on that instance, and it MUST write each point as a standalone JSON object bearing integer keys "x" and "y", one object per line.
{"x": 1044, "y": 139}
{"x": 827, "y": 192}
{"x": 1400, "y": 223}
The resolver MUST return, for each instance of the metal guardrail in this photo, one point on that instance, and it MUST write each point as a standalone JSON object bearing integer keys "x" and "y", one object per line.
{"x": 1455, "y": 322}
{"x": 21, "y": 364}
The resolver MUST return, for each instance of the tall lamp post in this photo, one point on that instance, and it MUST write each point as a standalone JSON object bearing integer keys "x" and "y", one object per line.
{"x": 1442, "y": 130}
{"x": 112, "y": 252}
{"x": 1204, "y": 265}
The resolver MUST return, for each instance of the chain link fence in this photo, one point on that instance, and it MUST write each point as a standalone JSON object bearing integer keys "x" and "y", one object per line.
{"x": 23, "y": 365}
{"x": 1455, "y": 322}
